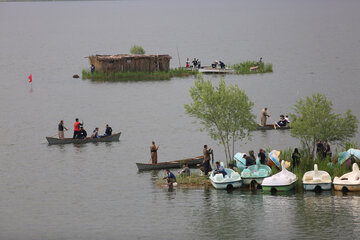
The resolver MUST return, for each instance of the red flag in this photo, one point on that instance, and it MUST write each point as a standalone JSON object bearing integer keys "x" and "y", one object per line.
{"x": 30, "y": 78}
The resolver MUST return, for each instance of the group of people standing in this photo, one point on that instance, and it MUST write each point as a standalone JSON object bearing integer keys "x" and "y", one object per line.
{"x": 80, "y": 132}
{"x": 196, "y": 63}
{"x": 323, "y": 149}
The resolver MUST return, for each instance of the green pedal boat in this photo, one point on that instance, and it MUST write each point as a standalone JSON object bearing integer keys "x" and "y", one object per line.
{"x": 282, "y": 181}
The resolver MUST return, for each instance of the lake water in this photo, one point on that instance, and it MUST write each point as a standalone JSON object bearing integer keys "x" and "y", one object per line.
{"x": 94, "y": 191}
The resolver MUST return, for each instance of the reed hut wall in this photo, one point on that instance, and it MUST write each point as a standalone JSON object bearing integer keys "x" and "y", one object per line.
{"x": 130, "y": 63}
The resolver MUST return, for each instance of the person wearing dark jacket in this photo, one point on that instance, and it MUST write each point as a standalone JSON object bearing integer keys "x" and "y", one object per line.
{"x": 170, "y": 177}
{"x": 82, "y": 134}
{"x": 205, "y": 166}
{"x": 296, "y": 158}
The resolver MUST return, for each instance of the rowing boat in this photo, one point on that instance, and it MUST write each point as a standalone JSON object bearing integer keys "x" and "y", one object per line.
{"x": 271, "y": 127}
{"x": 111, "y": 138}
{"x": 216, "y": 70}
{"x": 191, "y": 162}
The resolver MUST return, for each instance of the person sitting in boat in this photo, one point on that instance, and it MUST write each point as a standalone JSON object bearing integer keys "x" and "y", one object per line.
{"x": 185, "y": 172}
{"x": 249, "y": 162}
{"x": 220, "y": 169}
{"x": 108, "y": 130}
{"x": 82, "y": 133}
{"x": 198, "y": 64}
{"x": 95, "y": 133}
{"x": 282, "y": 122}
{"x": 222, "y": 64}
{"x": 287, "y": 119}
{"x": 170, "y": 177}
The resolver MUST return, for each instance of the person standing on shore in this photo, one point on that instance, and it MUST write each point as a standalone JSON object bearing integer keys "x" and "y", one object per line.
{"x": 153, "y": 152}
{"x": 61, "y": 129}
{"x": 264, "y": 114}
{"x": 296, "y": 159}
{"x": 205, "y": 166}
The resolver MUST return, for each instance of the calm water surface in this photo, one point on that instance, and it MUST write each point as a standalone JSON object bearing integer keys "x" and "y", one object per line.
{"x": 94, "y": 191}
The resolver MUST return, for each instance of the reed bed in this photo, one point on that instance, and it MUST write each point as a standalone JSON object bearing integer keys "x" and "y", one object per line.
{"x": 127, "y": 76}
{"x": 244, "y": 67}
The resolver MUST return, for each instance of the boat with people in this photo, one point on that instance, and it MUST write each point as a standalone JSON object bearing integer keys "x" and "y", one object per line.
{"x": 231, "y": 180}
{"x": 349, "y": 181}
{"x": 255, "y": 173}
{"x": 282, "y": 181}
{"x": 110, "y": 138}
{"x": 190, "y": 162}
{"x": 209, "y": 69}
{"x": 272, "y": 127}
{"x": 316, "y": 180}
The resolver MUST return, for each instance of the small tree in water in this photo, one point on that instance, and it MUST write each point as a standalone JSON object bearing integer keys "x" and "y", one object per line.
{"x": 137, "y": 50}
{"x": 313, "y": 120}
{"x": 224, "y": 111}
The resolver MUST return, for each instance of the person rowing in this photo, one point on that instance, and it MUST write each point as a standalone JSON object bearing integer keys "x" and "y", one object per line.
{"x": 264, "y": 114}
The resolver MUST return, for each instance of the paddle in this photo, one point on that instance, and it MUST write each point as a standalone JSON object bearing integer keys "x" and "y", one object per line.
{"x": 273, "y": 122}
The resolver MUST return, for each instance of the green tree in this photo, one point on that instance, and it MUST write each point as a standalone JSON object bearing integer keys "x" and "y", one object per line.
{"x": 224, "y": 111}
{"x": 313, "y": 120}
{"x": 137, "y": 50}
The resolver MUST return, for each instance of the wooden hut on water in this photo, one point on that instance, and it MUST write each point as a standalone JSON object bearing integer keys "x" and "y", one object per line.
{"x": 130, "y": 63}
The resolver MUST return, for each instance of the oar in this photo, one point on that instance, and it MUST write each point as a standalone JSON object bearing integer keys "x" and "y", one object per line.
{"x": 273, "y": 122}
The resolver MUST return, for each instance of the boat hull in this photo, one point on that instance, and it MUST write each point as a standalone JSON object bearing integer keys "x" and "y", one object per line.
{"x": 224, "y": 185}
{"x": 216, "y": 70}
{"x": 311, "y": 187}
{"x": 271, "y": 127}
{"x": 278, "y": 188}
{"x": 191, "y": 162}
{"x": 349, "y": 187}
{"x": 112, "y": 138}
{"x": 248, "y": 181}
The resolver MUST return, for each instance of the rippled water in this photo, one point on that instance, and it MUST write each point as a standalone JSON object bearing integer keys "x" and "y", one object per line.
{"x": 94, "y": 191}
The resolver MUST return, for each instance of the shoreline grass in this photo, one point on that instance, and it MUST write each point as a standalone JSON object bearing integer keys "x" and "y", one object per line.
{"x": 128, "y": 76}
{"x": 244, "y": 67}
{"x": 194, "y": 181}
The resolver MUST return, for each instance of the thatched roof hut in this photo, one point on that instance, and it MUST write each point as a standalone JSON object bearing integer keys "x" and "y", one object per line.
{"x": 130, "y": 63}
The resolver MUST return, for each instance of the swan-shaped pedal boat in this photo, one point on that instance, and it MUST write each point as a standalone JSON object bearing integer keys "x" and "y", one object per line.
{"x": 282, "y": 181}
{"x": 316, "y": 180}
{"x": 349, "y": 181}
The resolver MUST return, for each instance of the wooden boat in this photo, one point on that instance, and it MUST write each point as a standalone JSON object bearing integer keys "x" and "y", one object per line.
{"x": 272, "y": 127}
{"x": 282, "y": 181}
{"x": 349, "y": 181}
{"x": 231, "y": 180}
{"x": 191, "y": 162}
{"x": 316, "y": 180}
{"x": 215, "y": 70}
{"x": 111, "y": 138}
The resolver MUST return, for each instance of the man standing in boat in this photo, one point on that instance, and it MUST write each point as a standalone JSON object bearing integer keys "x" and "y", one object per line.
{"x": 264, "y": 114}
{"x": 77, "y": 126}
{"x": 153, "y": 152}
{"x": 61, "y": 129}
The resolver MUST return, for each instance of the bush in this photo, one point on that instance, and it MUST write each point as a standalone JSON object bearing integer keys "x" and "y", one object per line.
{"x": 137, "y": 50}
